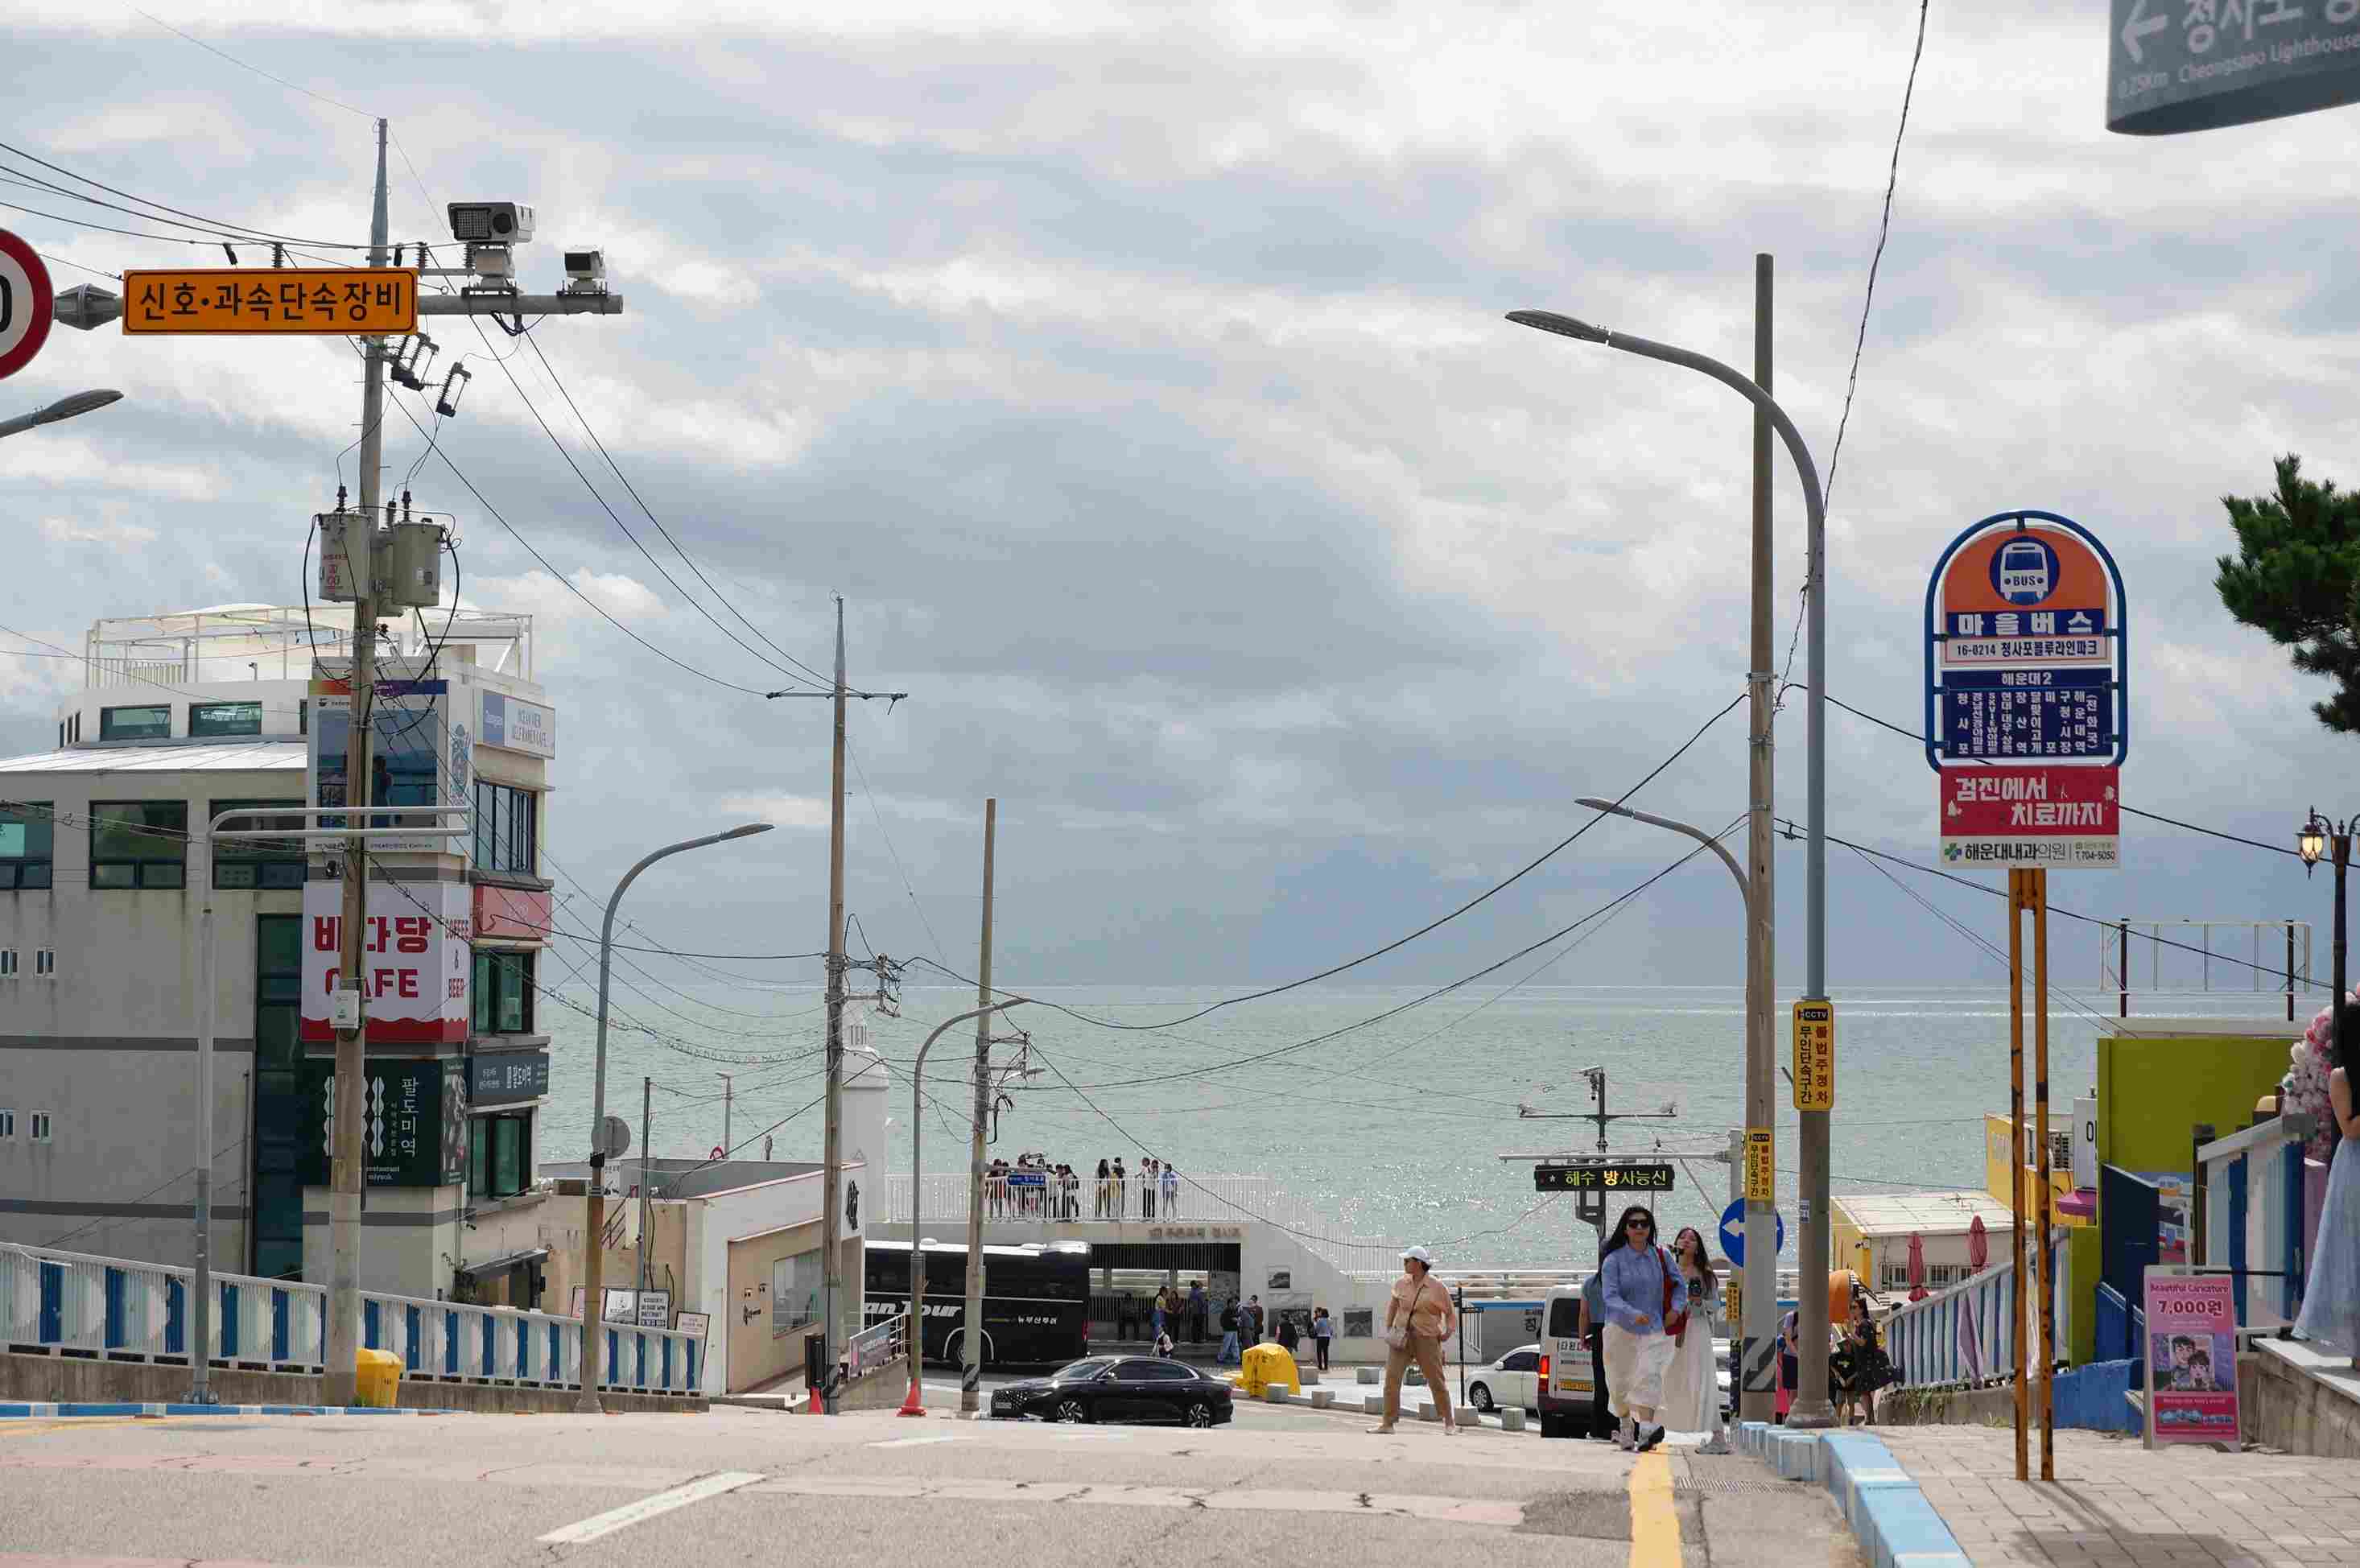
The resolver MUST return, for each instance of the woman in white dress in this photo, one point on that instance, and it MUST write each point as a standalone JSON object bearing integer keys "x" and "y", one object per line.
{"x": 1692, "y": 1388}
{"x": 2331, "y": 1297}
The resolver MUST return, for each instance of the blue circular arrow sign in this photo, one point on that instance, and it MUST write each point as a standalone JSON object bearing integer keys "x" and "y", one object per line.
{"x": 1733, "y": 1232}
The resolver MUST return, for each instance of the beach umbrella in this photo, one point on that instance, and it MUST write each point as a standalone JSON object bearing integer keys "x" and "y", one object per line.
{"x": 1978, "y": 1245}
{"x": 1916, "y": 1267}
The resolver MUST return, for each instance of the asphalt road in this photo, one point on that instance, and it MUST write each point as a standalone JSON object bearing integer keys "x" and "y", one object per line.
{"x": 1276, "y": 1486}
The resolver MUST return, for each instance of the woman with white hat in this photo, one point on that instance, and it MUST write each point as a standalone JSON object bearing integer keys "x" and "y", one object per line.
{"x": 1417, "y": 1320}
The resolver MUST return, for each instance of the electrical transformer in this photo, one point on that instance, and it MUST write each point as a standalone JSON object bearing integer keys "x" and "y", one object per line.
{"x": 342, "y": 575}
{"x": 414, "y": 574}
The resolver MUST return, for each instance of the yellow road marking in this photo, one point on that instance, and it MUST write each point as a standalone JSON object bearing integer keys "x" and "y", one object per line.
{"x": 1655, "y": 1523}
{"x": 9, "y": 1428}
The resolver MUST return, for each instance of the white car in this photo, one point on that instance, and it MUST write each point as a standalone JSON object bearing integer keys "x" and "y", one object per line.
{"x": 1513, "y": 1380}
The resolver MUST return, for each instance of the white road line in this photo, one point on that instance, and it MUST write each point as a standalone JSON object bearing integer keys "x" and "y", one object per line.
{"x": 919, "y": 1441}
{"x": 630, "y": 1514}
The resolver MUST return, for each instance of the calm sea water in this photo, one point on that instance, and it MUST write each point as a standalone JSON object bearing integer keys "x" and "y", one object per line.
{"x": 1394, "y": 1132}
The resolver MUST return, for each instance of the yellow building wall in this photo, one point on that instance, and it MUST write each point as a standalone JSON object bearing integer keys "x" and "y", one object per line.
{"x": 1996, "y": 1155}
{"x": 2153, "y": 1090}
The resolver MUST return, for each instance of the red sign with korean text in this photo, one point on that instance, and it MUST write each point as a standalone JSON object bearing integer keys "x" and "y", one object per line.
{"x": 415, "y": 961}
{"x": 2044, "y": 814}
{"x": 511, "y": 915}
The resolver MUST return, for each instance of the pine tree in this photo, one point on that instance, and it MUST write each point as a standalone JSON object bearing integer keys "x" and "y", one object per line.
{"x": 2295, "y": 575}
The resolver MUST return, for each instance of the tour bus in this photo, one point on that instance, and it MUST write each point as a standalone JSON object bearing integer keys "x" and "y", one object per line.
{"x": 1036, "y": 1300}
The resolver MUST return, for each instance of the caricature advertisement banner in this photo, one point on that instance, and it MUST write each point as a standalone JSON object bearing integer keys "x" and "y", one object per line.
{"x": 2191, "y": 1357}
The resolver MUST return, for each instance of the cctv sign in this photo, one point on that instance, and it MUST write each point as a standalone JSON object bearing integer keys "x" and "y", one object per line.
{"x": 415, "y": 961}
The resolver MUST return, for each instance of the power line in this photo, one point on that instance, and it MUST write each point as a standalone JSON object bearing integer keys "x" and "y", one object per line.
{"x": 180, "y": 217}
{"x": 242, "y": 65}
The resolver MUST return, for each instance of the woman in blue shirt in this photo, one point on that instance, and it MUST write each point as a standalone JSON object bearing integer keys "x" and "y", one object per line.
{"x": 1647, "y": 1303}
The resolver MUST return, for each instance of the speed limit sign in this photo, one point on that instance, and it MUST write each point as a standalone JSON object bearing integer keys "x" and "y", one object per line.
{"x": 25, "y": 303}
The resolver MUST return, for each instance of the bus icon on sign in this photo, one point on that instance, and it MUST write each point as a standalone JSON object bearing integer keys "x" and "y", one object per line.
{"x": 2024, "y": 571}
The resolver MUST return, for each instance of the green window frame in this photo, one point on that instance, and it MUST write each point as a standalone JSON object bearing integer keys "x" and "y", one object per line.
{"x": 250, "y": 865}
{"x": 147, "y": 722}
{"x": 499, "y": 1156}
{"x": 210, "y": 719}
{"x": 501, "y": 1002}
{"x": 138, "y": 844}
{"x": 28, "y": 845}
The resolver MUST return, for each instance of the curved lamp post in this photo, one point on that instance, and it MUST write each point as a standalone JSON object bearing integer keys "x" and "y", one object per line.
{"x": 64, "y": 408}
{"x": 913, "y": 1405}
{"x": 2322, "y": 837}
{"x": 1811, "y": 1407}
{"x": 593, "y": 1256}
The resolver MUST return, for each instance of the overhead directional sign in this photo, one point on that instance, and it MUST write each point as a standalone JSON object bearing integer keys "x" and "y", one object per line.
{"x": 213, "y": 301}
{"x": 1650, "y": 1177}
{"x": 25, "y": 303}
{"x": 2192, "y": 65}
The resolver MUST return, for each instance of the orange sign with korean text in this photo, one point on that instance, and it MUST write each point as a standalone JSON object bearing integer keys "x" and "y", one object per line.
{"x": 369, "y": 302}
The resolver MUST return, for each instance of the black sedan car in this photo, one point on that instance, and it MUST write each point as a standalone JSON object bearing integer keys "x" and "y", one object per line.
{"x": 1118, "y": 1389}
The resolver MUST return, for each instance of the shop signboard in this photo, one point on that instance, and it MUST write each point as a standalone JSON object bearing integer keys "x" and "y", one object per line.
{"x": 1647, "y": 1177}
{"x": 512, "y": 913}
{"x": 504, "y": 1078}
{"x": 513, "y": 724}
{"x": 2191, "y": 1357}
{"x": 2049, "y": 815}
{"x": 655, "y": 1309}
{"x": 415, "y": 964}
{"x": 415, "y": 1133}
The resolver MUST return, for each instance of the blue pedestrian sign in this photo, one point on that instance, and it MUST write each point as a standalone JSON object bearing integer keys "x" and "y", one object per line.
{"x": 1733, "y": 1232}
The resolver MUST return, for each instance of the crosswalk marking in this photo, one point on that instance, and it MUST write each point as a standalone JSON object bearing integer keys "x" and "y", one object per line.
{"x": 630, "y": 1514}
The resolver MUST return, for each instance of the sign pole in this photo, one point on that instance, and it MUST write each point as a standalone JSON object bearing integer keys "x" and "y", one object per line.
{"x": 2018, "y": 895}
{"x": 2044, "y": 1195}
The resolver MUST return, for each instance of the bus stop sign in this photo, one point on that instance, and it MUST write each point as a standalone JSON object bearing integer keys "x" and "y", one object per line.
{"x": 2193, "y": 65}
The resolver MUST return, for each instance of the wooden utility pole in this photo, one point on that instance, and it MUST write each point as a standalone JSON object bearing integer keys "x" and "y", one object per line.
{"x": 832, "y": 1152}
{"x": 971, "y": 1371}
{"x": 646, "y": 1180}
{"x": 1757, "y": 1359}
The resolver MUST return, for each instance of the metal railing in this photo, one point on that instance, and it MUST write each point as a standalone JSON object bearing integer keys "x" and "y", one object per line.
{"x": 2249, "y": 1220}
{"x": 2278, "y": 951}
{"x": 1965, "y": 1335}
{"x": 876, "y": 1347}
{"x": 1198, "y": 1202}
{"x": 111, "y": 1309}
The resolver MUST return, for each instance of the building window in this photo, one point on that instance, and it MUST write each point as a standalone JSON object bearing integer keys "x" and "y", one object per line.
{"x": 26, "y": 835}
{"x": 302, "y": 716}
{"x": 499, "y": 1155}
{"x": 503, "y": 994}
{"x": 507, "y": 828}
{"x": 225, "y": 718}
{"x": 138, "y": 843}
{"x": 258, "y": 863}
{"x": 152, "y": 722}
{"x": 794, "y": 1292}
{"x": 7, "y": 1126}
{"x": 7, "y": 963}
{"x": 40, "y": 1127}
{"x": 45, "y": 961}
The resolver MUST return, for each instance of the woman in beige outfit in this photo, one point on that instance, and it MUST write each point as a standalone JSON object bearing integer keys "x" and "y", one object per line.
{"x": 1421, "y": 1308}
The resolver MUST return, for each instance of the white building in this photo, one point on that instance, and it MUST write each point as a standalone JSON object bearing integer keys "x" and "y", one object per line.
{"x": 182, "y": 717}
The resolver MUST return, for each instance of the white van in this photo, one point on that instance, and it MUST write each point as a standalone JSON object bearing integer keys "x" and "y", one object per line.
{"x": 1564, "y": 1382}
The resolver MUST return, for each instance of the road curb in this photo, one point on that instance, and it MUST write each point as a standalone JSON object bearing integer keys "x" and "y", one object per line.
{"x": 1888, "y": 1513}
{"x": 68, "y": 1411}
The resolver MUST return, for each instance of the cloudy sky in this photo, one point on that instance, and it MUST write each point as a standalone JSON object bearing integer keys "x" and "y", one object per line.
{"x": 1137, "y": 375}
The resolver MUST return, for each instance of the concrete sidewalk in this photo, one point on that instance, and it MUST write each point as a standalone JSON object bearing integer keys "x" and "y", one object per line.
{"x": 2116, "y": 1505}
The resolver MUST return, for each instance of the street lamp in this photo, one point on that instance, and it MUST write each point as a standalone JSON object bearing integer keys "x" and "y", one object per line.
{"x": 913, "y": 1406}
{"x": 1811, "y": 1408}
{"x": 64, "y": 408}
{"x": 1689, "y": 829}
{"x": 2324, "y": 837}
{"x": 595, "y": 1198}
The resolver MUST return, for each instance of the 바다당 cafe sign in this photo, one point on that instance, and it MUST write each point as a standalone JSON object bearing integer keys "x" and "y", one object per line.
{"x": 2195, "y": 65}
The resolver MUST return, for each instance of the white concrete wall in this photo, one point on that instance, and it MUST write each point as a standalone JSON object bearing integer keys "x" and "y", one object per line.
{"x": 715, "y": 1221}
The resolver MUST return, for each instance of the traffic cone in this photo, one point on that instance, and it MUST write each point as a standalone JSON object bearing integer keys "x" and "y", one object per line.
{"x": 910, "y": 1405}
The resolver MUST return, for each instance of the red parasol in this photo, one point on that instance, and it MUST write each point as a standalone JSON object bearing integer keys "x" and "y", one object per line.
{"x": 1978, "y": 1245}
{"x": 1916, "y": 1267}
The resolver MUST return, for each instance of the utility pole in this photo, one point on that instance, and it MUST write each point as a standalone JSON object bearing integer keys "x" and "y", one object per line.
{"x": 341, "y": 1370}
{"x": 728, "y": 1091}
{"x": 832, "y": 1149}
{"x": 647, "y": 1176}
{"x": 1756, "y": 1360}
{"x": 971, "y": 1373}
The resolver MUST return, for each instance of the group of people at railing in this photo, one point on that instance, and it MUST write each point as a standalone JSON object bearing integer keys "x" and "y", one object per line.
{"x": 1032, "y": 1187}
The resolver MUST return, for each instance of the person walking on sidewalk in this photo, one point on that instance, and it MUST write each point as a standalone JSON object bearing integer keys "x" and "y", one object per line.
{"x": 2331, "y": 1297}
{"x": 1419, "y": 1318}
{"x": 1196, "y": 1311}
{"x": 1250, "y": 1320}
{"x": 1323, "y": 1333}
{"x": 1646, "y": 1304}
{"x": 1692, "y": 1388}
{"x": 1229, "y": 1354}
